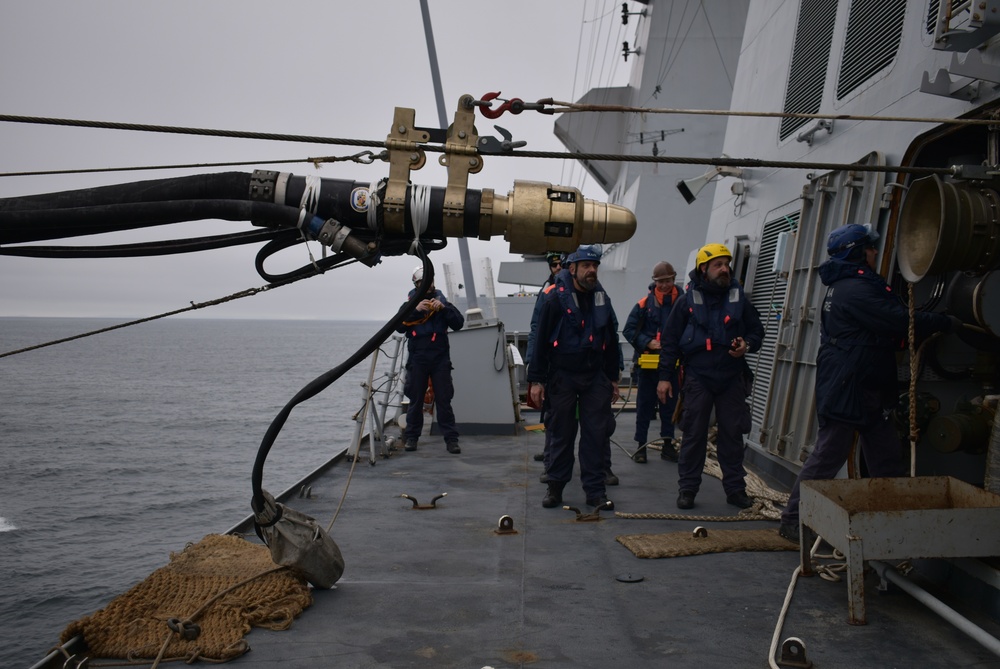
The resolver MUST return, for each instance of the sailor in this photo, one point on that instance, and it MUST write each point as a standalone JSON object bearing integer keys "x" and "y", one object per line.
{"x": 426, "y": 329}
{"x": 643, "y": 329}
{"x": 555, "y": 261}
{"x": 575, "y": 368}
{"x": 862, "y": 325}
{"x": 710, "y": 329}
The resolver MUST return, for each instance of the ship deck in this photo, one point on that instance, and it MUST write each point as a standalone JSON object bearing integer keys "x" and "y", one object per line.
{"x": 440, "y": 588}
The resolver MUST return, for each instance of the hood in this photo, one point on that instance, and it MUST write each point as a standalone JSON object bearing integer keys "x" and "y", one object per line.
{"x": 834, "y": 270}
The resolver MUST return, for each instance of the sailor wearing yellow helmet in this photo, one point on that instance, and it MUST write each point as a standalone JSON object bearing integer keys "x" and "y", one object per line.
{"x": 710, "y": 330}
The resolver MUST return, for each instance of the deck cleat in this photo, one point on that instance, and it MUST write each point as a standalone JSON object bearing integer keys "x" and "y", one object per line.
{"x": 417, "y": 505}
{"x": 505, "y": 526}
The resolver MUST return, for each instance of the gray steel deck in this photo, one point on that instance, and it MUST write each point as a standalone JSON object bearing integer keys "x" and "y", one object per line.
{"x": 440, "y": 588}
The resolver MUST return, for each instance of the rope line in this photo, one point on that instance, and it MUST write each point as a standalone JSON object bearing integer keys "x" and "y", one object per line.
{"x": 364, "y": 157}
{"x": 200, "y": 305}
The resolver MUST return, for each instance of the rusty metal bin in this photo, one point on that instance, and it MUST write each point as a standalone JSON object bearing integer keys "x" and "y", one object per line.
{"x": 896, "y": 519}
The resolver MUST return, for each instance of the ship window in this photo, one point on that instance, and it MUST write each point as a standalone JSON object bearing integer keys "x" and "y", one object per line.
{"x": 810, "y": 56}
{"x": 874, "y": 30}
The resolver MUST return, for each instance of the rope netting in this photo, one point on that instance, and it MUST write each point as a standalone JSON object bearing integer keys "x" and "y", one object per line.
{"x": 199, "y": 606}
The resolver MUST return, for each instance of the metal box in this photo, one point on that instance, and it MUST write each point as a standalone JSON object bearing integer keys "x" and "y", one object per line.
{"x": 896, "y": 519}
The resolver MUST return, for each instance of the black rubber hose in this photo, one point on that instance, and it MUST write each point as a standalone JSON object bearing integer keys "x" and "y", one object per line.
{"x": 325, "y": 380}
{"x": 170, "y": 247}
{"x": 220, "y": 186}
{"x": 39, "y": 225}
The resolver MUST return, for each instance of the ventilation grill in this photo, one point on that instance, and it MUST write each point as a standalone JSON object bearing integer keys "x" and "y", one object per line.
{"x": 810, "y": 57}
{"x": 874, "y": 29}
{"x": 767, "y": 296}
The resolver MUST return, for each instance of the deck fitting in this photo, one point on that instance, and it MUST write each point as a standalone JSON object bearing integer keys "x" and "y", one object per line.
{"x": 505, "y": 525}
{"x": 417, "y": 505}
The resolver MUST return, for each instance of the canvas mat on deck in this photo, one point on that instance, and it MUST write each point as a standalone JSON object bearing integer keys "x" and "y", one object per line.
{"x": 134, "y": 624}
{"x": 677, "y": 544}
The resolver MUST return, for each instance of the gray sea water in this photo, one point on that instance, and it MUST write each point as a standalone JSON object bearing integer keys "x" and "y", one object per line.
{"x": 120, "y": 448}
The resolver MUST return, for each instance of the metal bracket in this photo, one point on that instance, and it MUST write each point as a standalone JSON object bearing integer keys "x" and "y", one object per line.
{"x": 585, "y": 517}
{"x": 972, "y": 72}
{"x": 982, "y": 24}
{"x": 423, "y": 507}
{"x": 462, "y": 159}
{"x": 505, "y": 526}
{"x": 793, "y": 654}
{"x": 405, "y": 154}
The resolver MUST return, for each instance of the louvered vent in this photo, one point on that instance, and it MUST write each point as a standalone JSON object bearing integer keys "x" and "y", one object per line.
{"x": 807, "y": 74}
{"x": 767, "y": 294}
{"x": 874, "y": 29}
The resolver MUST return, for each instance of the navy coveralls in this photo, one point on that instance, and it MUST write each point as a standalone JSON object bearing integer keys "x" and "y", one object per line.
{"x": 576, "y": 356}
{"x": 698, "y": 332}
{"x": 430, "y": 358}
{"x": 862, "y": 326}
{"x": 644, "y": 324}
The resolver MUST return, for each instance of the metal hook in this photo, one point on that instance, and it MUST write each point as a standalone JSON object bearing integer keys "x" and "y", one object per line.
{"x": 514, "y": 106}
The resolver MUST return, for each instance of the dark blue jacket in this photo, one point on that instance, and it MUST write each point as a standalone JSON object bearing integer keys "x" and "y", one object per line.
{"x": 700, "y": 328}
{"x": 646, "y": 320}
{"x": 863, "y": 325}
{"x": 535, "y": 312}
{"x": 427, "y": 332}
{"x": 577, "y": 331}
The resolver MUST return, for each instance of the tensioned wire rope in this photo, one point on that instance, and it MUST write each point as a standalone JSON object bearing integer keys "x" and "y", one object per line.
{"x": 566, "y": 108}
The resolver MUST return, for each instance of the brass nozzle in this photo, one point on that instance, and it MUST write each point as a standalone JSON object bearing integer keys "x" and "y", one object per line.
{"x": 536, "y": 217}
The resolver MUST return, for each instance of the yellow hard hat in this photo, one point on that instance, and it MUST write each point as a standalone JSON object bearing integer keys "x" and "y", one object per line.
{"x": 710, "y": 251}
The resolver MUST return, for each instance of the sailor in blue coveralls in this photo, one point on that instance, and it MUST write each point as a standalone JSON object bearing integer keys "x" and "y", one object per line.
{"x": 862, "y": 326}
{"x": 576, "y": 362}
{"x": 710, "y": 330}
{"x": 426, "y": 329}
{"x": 643, "y": 328}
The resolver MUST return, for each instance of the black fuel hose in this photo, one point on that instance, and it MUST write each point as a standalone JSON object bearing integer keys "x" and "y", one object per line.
{"x": 323, "y": 381}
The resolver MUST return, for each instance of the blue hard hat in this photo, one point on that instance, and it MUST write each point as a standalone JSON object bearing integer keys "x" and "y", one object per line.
{"x": 846, "y": 240}
{"x": 585, "y": 253}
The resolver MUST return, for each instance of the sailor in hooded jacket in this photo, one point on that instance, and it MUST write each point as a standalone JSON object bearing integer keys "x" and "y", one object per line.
{"x": 710, "y": 330}
{"x": 576, "y": 362}
{"x": 863, "y": 325}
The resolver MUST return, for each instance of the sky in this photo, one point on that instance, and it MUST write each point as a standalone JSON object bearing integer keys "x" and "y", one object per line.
{"x": 331, "y": 69}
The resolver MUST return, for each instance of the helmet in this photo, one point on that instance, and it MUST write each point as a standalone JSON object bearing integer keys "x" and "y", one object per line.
{"x": 844, "y": 242}
{"x": 663, "y": 270}
{"x": 585, "y": 253}
{"x": 710, "y": 251}
{"x": 418, "y": 274}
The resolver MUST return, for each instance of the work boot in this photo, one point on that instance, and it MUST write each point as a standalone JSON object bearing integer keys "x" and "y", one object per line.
{"x": 609, "y": 477}
{"x": 789, "y": 531}
{"x": 544, "y": 478}
{"x": 640, "y": 455}
{"x": 452, "y": 446}
{"x": 411, "y": 445}
{"x": 740, "y": 499}
{"x": 602, "y": 503}
{"x": 685, "y": 500}
{"x": 553, "y": 497}
{"x": 669, "y": 451}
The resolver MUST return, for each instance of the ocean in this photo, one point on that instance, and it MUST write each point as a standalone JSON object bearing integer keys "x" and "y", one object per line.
{"x": 123, "y": 447}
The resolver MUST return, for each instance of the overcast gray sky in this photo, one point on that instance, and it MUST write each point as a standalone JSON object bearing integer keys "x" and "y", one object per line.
{"x": 332, "y": 69}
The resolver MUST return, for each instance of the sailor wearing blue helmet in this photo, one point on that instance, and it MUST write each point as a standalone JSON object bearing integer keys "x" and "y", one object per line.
{"x": 576, "y": 363}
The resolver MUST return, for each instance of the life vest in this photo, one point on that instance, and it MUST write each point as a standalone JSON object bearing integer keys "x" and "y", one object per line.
{"x": 574, "y": 333}
{"x": 653, "y": 312}
{"x": 425, "y": 325}
{"x": 704, "y": 332}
